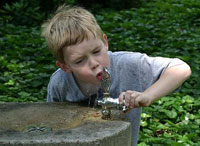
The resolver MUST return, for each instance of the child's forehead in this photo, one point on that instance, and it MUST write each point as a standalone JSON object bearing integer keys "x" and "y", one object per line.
{"x": 90, "y": 39}
{"x": 87, "y": 43}
{"x": 79, "y": 50}
{"x": 76, "y": 37}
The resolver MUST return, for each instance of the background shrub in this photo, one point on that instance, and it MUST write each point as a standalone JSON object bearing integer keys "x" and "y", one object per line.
{"x": 33, "y": 13}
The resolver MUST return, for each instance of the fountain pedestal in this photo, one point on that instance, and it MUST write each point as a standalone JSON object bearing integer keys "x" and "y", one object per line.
{"x": 60, "y": 124}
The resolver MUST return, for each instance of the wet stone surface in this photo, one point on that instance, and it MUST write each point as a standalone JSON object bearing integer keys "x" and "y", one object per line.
{"x": 63, "y": 123}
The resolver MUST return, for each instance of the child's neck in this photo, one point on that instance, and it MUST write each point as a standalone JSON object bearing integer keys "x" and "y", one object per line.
{"x": 88, "y": 89}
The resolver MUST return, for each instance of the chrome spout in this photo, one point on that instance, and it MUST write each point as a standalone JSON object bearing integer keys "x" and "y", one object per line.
{"x": 106, "y": 83}
{"x": 107, "y": 102}
{"x": 110, "y": 103}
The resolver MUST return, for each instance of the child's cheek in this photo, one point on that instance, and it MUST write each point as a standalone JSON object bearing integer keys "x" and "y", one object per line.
{"x": 84, "y": 72}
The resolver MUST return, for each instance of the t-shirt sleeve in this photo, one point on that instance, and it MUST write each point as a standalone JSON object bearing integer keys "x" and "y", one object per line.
{"x": 52, "y": 94}
{"x": 57, "y": 88}
{"x": 151, "y": 68}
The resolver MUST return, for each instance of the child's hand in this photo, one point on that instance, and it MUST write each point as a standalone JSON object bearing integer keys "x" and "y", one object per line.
{"x": 135, "y": 99}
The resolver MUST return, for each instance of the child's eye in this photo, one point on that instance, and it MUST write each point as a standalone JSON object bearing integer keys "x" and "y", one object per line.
{"x": 78, "y": 61}
{"x": 96, "y": 51}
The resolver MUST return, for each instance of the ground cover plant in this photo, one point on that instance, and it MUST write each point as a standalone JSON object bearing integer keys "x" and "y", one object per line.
{"x": 169, "y": 28}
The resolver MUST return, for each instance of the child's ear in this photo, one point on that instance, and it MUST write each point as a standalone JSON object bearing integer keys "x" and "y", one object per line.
{"x": 106, "y": 40}
{"x": 64, "y": 67}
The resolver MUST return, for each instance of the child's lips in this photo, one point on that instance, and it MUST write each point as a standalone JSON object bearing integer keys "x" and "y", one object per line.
{"x": 100, "y": 76}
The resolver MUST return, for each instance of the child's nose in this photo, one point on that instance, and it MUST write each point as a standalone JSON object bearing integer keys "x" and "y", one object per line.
{"x": 93, "y": 63}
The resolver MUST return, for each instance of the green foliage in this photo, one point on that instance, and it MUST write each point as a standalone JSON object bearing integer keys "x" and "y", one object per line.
{"x": 25, "y": 64}
{"x": 32, "y": 13}
{"x": 107, "y": 4}
{"x": 22, "y": 13}
{"x": 173, "y": 120}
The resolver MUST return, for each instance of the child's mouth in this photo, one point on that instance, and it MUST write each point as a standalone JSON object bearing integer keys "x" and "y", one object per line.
{"x": 100, "y": 76}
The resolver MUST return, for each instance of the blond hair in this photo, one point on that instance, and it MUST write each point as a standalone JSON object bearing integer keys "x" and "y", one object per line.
{"x": 69, "y": 26}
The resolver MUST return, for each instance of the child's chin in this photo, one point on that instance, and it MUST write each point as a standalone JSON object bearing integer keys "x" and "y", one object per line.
{"x": 97, "y": 82}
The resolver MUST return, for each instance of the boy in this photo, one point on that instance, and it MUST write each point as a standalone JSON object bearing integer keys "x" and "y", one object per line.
{"x": 81, "y": 50}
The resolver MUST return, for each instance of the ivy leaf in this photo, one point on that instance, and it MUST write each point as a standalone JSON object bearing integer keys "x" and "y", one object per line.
{"x": 171, "y": 114}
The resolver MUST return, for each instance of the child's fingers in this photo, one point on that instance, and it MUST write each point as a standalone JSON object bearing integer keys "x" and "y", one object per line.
{"x": 131, "y": 98}
{"x": 125, "y": 96}
{"x": 134, "y": 101}
{"x": 121, "y": 97}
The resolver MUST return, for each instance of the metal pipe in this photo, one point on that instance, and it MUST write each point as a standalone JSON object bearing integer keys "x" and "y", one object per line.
{"x": 109, "y": 103}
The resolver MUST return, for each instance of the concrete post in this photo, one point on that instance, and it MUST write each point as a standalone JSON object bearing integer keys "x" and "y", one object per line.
{"x": 60, "y": 124}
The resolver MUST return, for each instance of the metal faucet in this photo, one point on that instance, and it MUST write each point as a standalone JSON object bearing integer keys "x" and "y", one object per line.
{"x": 107, "y": 103}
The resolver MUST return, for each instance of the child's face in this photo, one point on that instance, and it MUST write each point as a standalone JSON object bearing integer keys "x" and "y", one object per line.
{"x": 87, "y": 59}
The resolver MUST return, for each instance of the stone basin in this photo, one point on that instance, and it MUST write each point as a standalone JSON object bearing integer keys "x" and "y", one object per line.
{"x": 61, "y": 124}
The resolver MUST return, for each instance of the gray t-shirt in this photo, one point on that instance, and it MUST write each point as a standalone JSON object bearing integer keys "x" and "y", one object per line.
{"x": 129, "y": 71}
